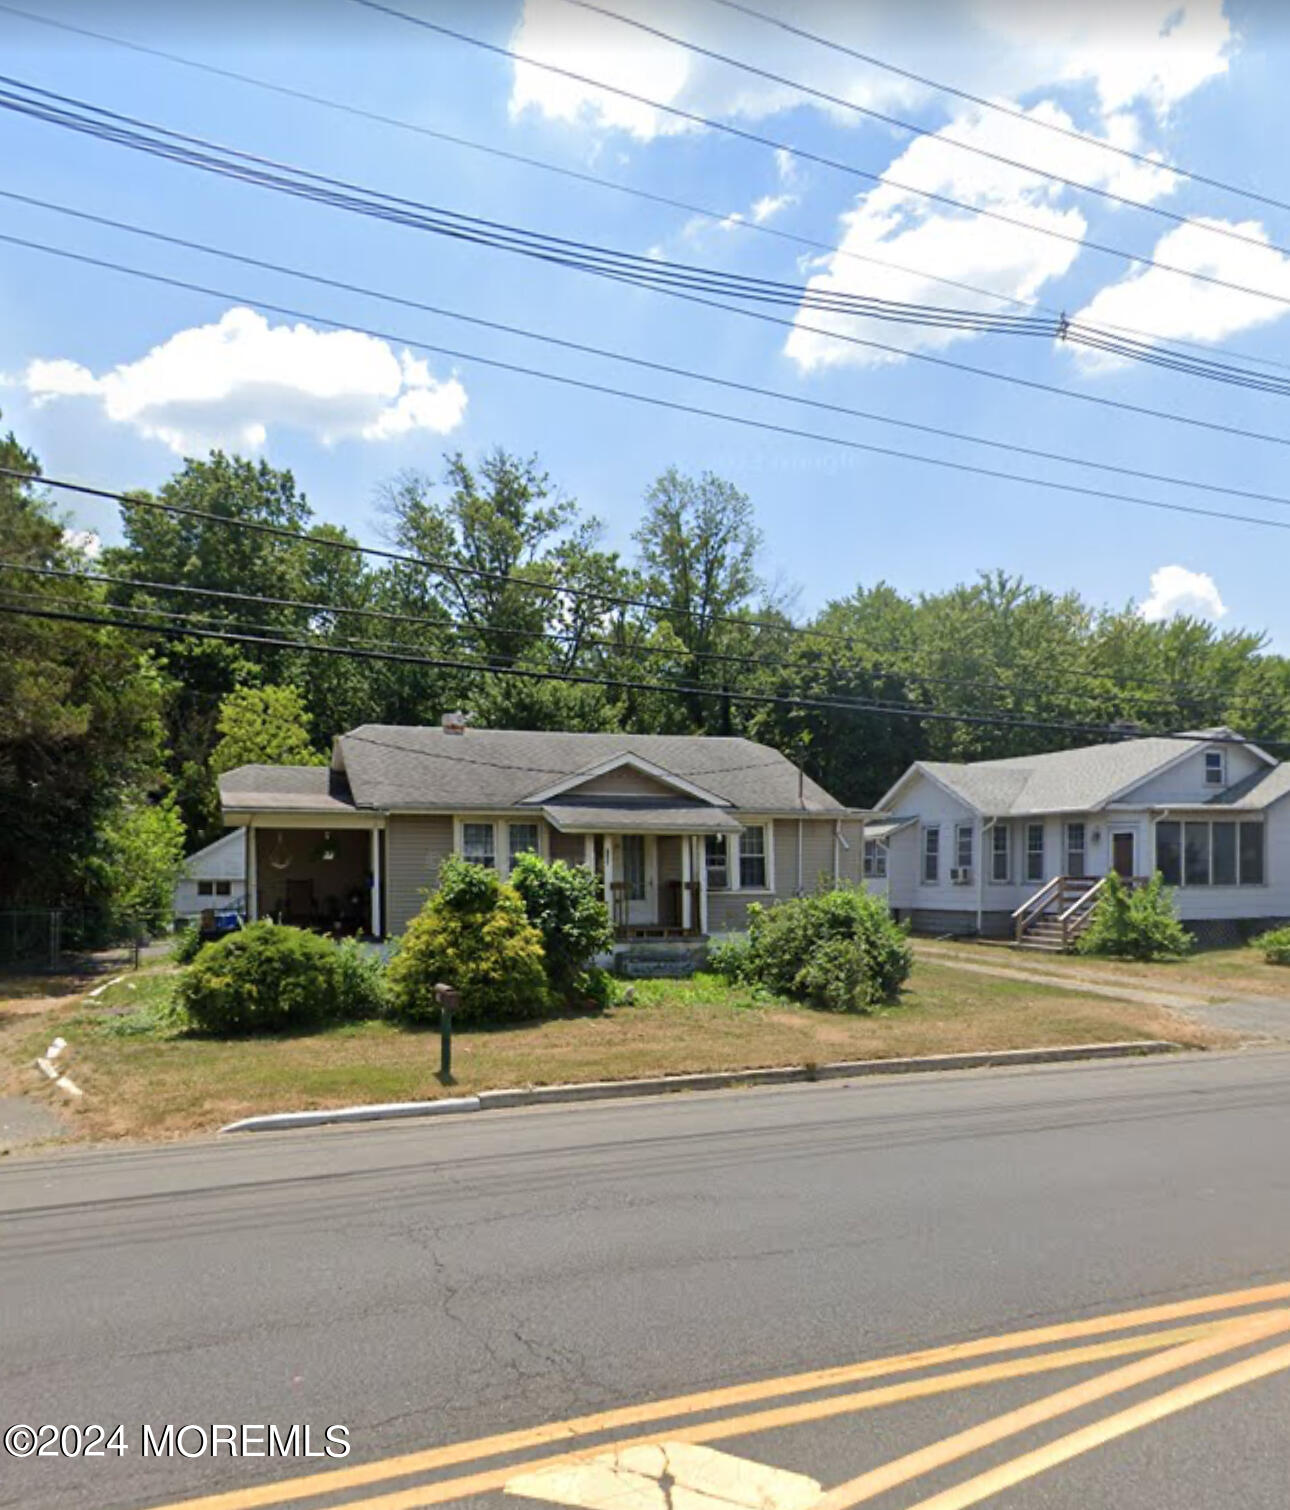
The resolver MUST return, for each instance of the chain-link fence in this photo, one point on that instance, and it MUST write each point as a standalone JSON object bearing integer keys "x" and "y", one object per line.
{"x": 42, "y": 937}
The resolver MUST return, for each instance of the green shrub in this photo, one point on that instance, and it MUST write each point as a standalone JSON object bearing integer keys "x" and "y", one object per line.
{"x": 1275, "y": 946}
{"x": 730, "y": 957}
{"x": 475, "y": 935}
{"x": 360, "y": 981}
{"x": 265, "y": 978}
{"x": 187, "y": 941}
{"x": 791, "y": 949}
{"x": 564, "y": 903}
{"x": 1137, "y": 924}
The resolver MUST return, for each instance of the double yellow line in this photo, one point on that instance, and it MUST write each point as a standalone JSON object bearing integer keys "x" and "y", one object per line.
{"x": 1173, "y": 1347}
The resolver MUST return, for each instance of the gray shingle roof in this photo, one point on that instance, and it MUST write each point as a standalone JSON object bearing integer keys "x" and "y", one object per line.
{"x": 1066, "y": 780}
{"x": 393, "y": 766}
{"x": 286, "y": 788}
{"x": 1258, "y": 790}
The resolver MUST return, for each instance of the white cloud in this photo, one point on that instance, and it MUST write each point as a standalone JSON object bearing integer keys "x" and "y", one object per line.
{"x": 229, "y": 383}
{"x": 1175, "y": 308}
{"x": 84, "y": 543}
{"x": 770, "y": 205}
{"x": 1176, "y": 590}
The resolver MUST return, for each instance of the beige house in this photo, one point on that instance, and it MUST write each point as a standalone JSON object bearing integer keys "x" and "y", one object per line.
{"x": 684, "y": 831}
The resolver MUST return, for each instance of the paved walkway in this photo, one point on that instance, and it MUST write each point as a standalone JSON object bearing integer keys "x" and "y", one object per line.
{"x": 25, "y": 1120}
{"x": 1251, "y": 1016}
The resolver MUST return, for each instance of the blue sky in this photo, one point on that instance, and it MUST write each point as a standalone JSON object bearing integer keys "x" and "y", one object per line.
{"x": 113, "y": 380}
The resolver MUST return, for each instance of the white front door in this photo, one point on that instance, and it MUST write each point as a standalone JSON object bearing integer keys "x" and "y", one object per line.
{"x": 639, "y": 865}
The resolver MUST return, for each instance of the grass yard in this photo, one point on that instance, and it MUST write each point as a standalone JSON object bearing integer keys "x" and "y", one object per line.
{"x": 1216, "y": 974}
{"x": 140, "y": 1082}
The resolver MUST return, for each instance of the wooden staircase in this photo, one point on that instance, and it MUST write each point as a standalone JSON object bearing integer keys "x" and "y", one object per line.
{"x": 1058, "y": 913}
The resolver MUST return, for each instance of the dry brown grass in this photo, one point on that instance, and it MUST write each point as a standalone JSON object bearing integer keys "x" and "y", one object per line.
{"x": 141, "y": 1084}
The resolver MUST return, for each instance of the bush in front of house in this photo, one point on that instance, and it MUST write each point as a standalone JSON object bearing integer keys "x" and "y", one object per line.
{"x": 185, "y": 945}
{"x": 361, "y": 986}
{"x": 265, "y": 978}
{"x": 840, "y": 950}
{"x": 473, "y": 934}
{"x": 730, "y": 957}
{"x": 1274, "y": 945}
{"x": 1135, "y": 923}
{"x": 566, "y": 905}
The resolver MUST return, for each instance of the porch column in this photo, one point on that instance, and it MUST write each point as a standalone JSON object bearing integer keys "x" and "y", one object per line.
{"x": 703, "y": 898}
{"x": 687, "y": 843}
{"x": 252, "y": 877}
{"x": 377, "y": 919}
{"x": 607, "y": 841}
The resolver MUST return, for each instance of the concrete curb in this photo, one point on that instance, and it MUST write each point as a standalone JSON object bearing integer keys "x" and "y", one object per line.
{"x": 662, "y": 1085}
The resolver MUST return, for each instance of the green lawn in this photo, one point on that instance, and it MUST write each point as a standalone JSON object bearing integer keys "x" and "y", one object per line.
{"x": 143, "y": 1081}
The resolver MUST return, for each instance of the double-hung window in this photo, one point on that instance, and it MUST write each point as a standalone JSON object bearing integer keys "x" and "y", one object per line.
{"x": 479, "y": 844}
{"x": 752, "y": 858}
{"x": 522, "y": 840}
{"x": 1214, "y": 772}
{"x": 999, "y": 848}
{"x": 875, "y": 860}
{"x": 1075, "y": 841}
{"x": 1034, "y": 851}
{"x": 931, "y": 856}
{"x": 963, "y": 833}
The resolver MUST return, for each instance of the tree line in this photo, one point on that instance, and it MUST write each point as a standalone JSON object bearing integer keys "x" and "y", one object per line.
{"x": 111, "y": 740}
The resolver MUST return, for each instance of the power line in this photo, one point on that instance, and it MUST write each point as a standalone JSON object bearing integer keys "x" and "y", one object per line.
{"x": 550, "y": 588}
{"x": 669, "y": 369}
{"x": 719, "y": 217}
{"x": 674, "y": 278}
{"x": 626, "y": 684}
{"x": 572, "y": 639}
{"x": 816, "y": 157}
{"x": 1145, "y": 159}
{"x": 841, "y": 102}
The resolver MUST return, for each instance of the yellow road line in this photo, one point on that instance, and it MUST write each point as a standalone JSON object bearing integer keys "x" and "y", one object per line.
{"x": 1195, "y": 1392}
{"x": 1227, "y": 1338}
{"x": 780, "y": 1416}
{"x": 428, "y": 1460}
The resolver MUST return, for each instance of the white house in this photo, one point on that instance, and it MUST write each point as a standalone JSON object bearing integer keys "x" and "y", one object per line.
{"x": 214, "y": 877}
{"x": 1016, "y": 846}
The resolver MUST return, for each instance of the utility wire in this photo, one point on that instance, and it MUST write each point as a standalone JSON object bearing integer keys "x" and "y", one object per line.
{"x": 1148, "y": 160}
{"x": 669, "y": 369}
{"x": 805, "y": 155}
{"x": 441, "y": 663}
{"x": 568, "y": 638}
{"x": 705, "y": 212}
{"x": 842, "y": 103}
{"x": 449, "y": 569}
{"x": 605, "y": 262}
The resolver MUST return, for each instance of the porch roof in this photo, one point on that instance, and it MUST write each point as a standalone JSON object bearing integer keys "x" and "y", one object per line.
{"x": 637, "y": 818}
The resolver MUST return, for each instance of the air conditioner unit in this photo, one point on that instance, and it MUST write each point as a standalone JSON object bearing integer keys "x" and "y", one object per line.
{"x": 961, "y": 875}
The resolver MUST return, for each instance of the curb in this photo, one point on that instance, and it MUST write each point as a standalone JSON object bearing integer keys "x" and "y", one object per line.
{"x": 662, "y": 1085}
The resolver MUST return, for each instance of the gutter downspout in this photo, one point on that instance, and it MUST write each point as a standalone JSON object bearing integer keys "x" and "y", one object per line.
{"x": 801, "y": 802}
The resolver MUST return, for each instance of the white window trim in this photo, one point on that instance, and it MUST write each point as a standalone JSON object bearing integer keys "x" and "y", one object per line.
{"x": 703, "y": 859}
{"x": 1006, "y": 878}
{"x": 880, "y": 856}
{"x": 501, "y": 837}
{"x": 1211, "y": 885}
{"x": 1042, "y": 852}
{"x": 970, "y": 830}
{"x": 923, "y": 880}
{"x": 734, "y": 857}
{"x": 1222, "y": 768}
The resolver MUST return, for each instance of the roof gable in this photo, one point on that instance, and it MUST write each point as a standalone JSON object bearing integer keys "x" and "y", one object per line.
{"x": 598, "y": 781}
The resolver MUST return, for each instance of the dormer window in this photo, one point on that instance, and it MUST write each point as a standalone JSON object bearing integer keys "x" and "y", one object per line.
{"x": 1215, "y": 774}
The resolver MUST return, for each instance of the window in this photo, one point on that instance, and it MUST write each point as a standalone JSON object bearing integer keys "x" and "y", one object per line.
{"x": 1034, "y": 851}
{"x": 1169, "y": 852}
{"x": 478, "y": 844}
{"x": 205, "y": 888}
{"x": 963, "y": 846}
{"x": 999, "y": 852}
{"x": 752, "y": 859}
{"x": 875, "y": 859}
{"x": 1214, "y": 773}
{"x": 1075, "y": 849}
{"x": 1222, "y": 853}
{"x": 1196, "y": 854}
{"x": 931, "y": 856}
{"x": 523, "y": 840}
{"x": 1251, "y": 851}
{"x": 716, "y": 856}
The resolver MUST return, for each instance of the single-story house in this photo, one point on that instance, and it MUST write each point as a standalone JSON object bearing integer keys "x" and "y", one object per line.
{"x": 1010, "y": 847}
{"x": 213, "y": 879}
{"x": 684, "y": 831}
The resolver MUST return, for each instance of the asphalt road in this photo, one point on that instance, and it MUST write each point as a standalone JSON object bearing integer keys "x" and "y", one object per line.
{"x": 429, "y": 1284}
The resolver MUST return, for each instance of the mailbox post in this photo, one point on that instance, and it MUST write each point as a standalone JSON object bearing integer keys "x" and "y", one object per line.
{"x": 448, "y": 999}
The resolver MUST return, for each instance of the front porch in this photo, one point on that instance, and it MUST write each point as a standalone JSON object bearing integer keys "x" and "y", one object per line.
{"x": 654, "y": 884}
{"x": 326, "y": 879}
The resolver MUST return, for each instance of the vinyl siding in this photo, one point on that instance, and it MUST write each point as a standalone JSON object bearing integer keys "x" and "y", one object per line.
{"x": 728, "y": 910}
{"x": 571, "y": 848}
{"x": 1186, "y": 781}
{"x": 626, "y": 781}
{"x": 415, "y": 847}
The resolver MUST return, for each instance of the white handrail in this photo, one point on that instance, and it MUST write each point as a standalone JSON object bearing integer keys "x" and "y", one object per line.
{"x": 1040, "y": 896}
